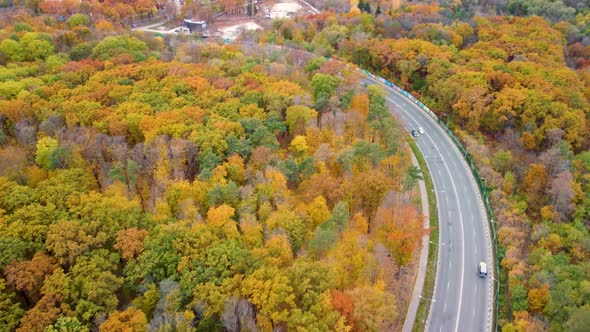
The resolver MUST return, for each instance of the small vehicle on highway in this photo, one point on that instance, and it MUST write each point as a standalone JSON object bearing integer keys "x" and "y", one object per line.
{"x": 482, "y": 269}
{"x": 421, "y": 130}
{"x": 415, "y": 133}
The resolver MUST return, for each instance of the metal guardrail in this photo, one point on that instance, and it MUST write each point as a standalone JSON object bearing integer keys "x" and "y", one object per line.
{"x": 481, "y": 185}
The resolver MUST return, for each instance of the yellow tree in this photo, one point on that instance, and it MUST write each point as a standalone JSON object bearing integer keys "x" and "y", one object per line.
{"x": 276, "y": 251}
{"x": 534, "y": 184}
{"x": 297, "y": 118}
{"x": 130, "y": 320}
{"x": 538, "y": 298}
{"x": 269, "y": 289}
{"x": 360, "y": 104}
{"x": 374, "y": 308}
{"x": 299, "y": 146}
{"x": 352, "y": 261}
{"x": 288, "y": 220}
{"x": 221, "y": 218}
{"x": 318, "y": 211}
{"x": 368, "y": 190}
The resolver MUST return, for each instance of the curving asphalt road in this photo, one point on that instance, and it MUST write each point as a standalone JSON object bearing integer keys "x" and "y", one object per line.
{"x": 462, "y": 300}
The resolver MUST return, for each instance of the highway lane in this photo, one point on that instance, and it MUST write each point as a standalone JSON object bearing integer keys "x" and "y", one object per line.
{"x": 462, "y": 300}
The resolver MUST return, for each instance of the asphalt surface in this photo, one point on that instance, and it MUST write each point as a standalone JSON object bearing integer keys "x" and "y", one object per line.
{"x": 462, "y": 301}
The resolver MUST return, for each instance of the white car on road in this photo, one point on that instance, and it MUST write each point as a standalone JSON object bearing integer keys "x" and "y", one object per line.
{"x": 482, "y": 269}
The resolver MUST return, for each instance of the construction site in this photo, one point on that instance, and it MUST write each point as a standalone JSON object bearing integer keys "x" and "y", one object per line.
{"x": 232, "y": 20}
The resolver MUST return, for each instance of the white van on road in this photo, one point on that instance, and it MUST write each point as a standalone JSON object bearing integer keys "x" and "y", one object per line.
{"x": 482, "y": 269}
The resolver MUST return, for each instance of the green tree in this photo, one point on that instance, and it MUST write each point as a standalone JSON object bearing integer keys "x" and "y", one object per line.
{"x": 37, "y": 46}
{"x": 327, "y": 234}
{"x": 39, "y": 49}
{"x": 77, "y": 20}
{"x": 502, "y": 161}
{"x": 55, "y": 62}
{"x": 81, "y": 51}
{"x": 5, "y": 3}
{"x": 324, "y": 86}
{"x": 128, "y": 174}
{"x": 115, "y": 45}
{"x": 67, "y": 324}
{"x": 45, "y": 148}
{"x": 412, "y": 176}
{"x": 224, "y": 194}
{"x": 519, "y": 298}
{"x": 10, "y": 310}
{"x": 274, "y": 123}
{"x": 70, "y": 239}
{"x": 579, "y": 319}
{"x": 14, "y": 249}
{"x": 367, "y": 154}
{"x": 160, "y": 257}
{"x": 208, "y": 160}
{"x": 311, "y": 282}
{"x": 340, "y": 216}
{"x": 380, "y": 120}
{"x": 31, "y": 223}
{"x": 13, "y": 195}
{"x": 227, "y": 259}
{"x": 314, "y": 64}
{"x": 11, "y": 89}
{"x": 323, "y": 239}
{"x": 148, "y": 301}
{"x": 61, "y": 186}
{"x": 361, "y": 5}
{"x": 292, "y": 223}
{"x": 59, "y": 158}
{"x": 22, "y": 26}
{"x": 13, "y": 50}
{"x": 95, "y": 284}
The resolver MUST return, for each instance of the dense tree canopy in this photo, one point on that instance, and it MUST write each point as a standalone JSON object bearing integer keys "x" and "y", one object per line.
{"x": 205, "y": 186}
{"x": 141, "y": 193}
{"x": 516, "y": 92}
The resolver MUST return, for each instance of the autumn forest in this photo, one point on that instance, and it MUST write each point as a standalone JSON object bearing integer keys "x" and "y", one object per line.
{"x": 171, "y": 183}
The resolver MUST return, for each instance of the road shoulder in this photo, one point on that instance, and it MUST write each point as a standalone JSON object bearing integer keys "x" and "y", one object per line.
{"x": 423, "y": 262}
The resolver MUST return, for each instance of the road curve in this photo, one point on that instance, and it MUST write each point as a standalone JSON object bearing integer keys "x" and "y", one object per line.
{"x": 462, "y": 300}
